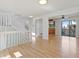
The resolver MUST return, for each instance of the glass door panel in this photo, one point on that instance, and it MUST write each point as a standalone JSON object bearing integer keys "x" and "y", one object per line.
{"x": 72, "y": 28}
{"x": 69, "y": 28}
{"x": 65, "y": 28}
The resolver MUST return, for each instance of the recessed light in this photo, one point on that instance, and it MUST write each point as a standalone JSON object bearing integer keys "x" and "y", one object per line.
{"x": 30, "y": 16}
{"x": 43, "y": 2}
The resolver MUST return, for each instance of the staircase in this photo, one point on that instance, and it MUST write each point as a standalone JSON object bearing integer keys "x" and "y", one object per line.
{"x": 13, "y": 31}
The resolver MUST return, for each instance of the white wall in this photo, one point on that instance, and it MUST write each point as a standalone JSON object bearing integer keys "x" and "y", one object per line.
{"x": 45, "y": 28}
{"x": 44, "y": 25}
{"x": 58, "y": 22}
{"x": 77, "y": 27}
{"x": 38, "y": 27}
{"x": 58, "y": 27}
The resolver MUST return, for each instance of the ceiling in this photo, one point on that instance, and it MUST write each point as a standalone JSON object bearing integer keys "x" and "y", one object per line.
{"x": 32, "y": 8}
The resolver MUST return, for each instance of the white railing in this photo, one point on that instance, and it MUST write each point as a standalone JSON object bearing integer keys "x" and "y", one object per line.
{"x": 6, "y": 28}
{"x": 10, "y": 39}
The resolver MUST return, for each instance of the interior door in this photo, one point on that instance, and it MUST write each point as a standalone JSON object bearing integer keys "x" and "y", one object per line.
{"x": 38, "y": 27}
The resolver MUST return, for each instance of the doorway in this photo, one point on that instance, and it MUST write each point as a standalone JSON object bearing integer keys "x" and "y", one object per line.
{"x": 51, "y": 27}
{"x": 68, "y": 28}
{"x": 38, "y": 28}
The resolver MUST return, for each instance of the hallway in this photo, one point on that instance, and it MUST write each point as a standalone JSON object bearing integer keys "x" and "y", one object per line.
{"x": 54, "y": 47}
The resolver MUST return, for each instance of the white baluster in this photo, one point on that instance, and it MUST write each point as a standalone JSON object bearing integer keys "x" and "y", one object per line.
{"x": 6, "y": 40}
{"x": 14, "y": 39}
{"x": 17, "y": 38}
{"x": 0, "y": 41}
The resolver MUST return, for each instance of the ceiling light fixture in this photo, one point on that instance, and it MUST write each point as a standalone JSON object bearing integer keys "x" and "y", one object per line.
{"x": 43, "y": 2}
{"x": 31, "y": 16}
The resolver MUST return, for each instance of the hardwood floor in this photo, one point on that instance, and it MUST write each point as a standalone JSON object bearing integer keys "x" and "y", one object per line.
{"x": 55, "y": 47}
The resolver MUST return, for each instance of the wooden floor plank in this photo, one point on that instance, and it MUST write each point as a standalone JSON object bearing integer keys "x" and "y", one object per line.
{"x": 54, "y": 47}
